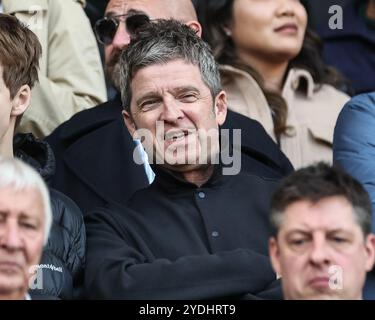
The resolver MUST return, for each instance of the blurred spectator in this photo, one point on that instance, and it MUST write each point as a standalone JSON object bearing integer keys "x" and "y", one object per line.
{"x": 25, "y": 222}
{"x": 354, "y": 141}
{"x": 94, "y": 151}
{"x": 322, "y": 245}
{"x": 352, "y": 49}
{"x": 354, "y": 151}
{"x": 273, "y": 73}
{"x": 71, "y": 74}
{"x": 63, "y": 258}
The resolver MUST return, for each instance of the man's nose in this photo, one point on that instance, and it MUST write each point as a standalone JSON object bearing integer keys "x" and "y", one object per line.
{"x": 171, "y": 111}
{"x": 122, "y": 37}
{"x": 11, "y": 237}
{"x": 320, "y": 252}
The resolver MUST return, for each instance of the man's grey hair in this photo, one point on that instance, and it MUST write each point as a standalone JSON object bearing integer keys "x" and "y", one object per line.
{"x": 19, "y": 176}
{"x": 163, "y": 41}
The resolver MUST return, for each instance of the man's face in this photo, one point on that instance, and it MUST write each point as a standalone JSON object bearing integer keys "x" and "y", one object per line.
{"x": 155, "y": 9}
{"x": 21, "y": 239}
{"x": 175, "y": 106}
{"x": 320, "y": 251}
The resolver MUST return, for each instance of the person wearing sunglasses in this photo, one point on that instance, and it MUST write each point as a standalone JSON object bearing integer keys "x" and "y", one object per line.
{"x": 94, "y": 151}
{"x": 123, "y": 18}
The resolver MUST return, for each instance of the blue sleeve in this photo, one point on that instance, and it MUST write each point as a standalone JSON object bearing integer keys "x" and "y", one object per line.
{"x": 354, "y": 142}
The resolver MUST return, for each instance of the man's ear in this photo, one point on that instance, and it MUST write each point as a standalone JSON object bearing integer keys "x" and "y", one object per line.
{"x": 274, "y": 253}
{"x": 195, "y": 25}
{"x": 221, "y": 107}
{"x": 370, "y": 252}
{"x": 21, "y": 101}
{"x": 129, "y": 122}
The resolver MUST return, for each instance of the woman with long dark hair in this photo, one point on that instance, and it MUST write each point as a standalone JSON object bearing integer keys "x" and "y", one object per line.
{"x": 272, "y": 71}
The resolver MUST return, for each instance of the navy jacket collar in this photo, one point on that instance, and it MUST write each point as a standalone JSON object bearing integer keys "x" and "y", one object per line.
{"x": 93, "y": 118}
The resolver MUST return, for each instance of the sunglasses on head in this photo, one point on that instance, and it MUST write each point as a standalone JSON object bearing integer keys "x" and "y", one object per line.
{"x": 106, "y": 28}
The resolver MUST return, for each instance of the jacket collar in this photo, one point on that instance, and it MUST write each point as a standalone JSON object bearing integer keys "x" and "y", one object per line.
{"x": 91, "y": 119}
{"x": 256, "y": 143}
{"x": 259, "y": 99}
{"x": 36, "y": 153}
{"x": 292, "y": 82}
{"x": 91, "y": 137}
{"x": 172, "y": 182}
{"x": 255, "y": 104}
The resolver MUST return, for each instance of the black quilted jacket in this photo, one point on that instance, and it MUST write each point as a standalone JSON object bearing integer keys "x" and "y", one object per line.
{"x": 62, "y": 264}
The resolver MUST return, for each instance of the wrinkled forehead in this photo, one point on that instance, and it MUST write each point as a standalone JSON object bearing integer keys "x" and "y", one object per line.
{"x": 157, "y": 9}
{"x": 175, "y": 73}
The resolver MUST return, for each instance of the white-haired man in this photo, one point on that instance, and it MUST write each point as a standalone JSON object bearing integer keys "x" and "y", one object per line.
{"x": 25, "y": 222}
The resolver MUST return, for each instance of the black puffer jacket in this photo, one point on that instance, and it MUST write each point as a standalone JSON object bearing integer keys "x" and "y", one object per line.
{"x": 63, "y": 257}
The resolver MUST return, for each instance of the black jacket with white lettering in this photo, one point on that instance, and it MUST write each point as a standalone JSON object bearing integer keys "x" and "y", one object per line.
{"x": 62, "y": 264}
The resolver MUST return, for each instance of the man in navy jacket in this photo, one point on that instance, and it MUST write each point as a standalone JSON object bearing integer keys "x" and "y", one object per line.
{"x": 354, "y": 151}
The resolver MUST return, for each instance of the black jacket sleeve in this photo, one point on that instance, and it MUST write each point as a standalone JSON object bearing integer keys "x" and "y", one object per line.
{"x": 117, "y": 269}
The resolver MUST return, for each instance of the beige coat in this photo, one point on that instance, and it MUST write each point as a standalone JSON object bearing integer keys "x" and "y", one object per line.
{"x": 311, "y": 114}
{"x": 71, "y": 75}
